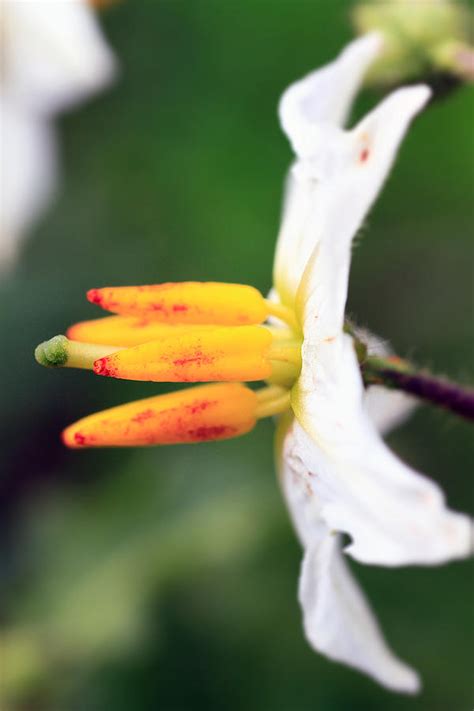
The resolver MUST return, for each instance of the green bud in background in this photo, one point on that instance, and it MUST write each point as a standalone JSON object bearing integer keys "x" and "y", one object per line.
{"x": 422, "y": 38}
{"x": 456, "y": 57}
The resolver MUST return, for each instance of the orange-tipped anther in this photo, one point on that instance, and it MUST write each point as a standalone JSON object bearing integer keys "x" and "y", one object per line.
{"x": 196, "y": 355}
{"x": 186, "y": 303}
{"x": 208, "y": 412}
{"x": 124, "y": 331}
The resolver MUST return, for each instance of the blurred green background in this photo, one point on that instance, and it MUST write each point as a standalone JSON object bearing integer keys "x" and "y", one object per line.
{"x": 166, "y": 578}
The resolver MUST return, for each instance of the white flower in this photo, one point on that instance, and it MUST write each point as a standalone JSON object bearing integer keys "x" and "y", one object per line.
{"x": 336, "y": 473}
{"x": 53, "y": 56}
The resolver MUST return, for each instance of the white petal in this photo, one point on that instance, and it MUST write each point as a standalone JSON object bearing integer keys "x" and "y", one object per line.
{"x": 394, "y": 515}
{"x": 54, "y": 52}
{"x": 386, "y": 408}
{"x": 338, "y": 621}
{"x": 28, "y": 175}
{"x": 324, "y": 97}
{"x": 343, "y": 202}
{"x": 336, "y": 178}
{"x": 297, "y": 238}
{"x": 337, "y": 618}
{"x": 311, "y": 113}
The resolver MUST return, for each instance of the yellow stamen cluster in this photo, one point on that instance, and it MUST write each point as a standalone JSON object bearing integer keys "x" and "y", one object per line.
{"x": 188, "y": 332}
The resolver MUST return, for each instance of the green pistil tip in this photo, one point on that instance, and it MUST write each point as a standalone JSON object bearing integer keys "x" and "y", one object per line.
{"x": 52, "y": 353}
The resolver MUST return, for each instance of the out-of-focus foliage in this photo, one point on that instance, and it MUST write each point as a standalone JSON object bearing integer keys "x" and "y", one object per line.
{"x": 167, "y": 577}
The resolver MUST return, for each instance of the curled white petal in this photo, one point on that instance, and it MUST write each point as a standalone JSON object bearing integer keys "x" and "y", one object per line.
{"x": 312, "y": 112}
{"x": 394, "y": 515}
{"x": 54, "y": 52}
{"x": 337, "y": 619}
{"x": 323, "y": 99}
{"x": 331, "y": 187}
{"x": 343, "y": 202}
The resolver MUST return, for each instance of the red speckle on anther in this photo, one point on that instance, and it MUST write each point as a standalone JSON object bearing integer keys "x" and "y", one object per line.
{"x": 198, "y": 357}
{"x": 143, "y": 416}
{"x": 364, "y": 154}
{"x": 212, "y": 432}
{"x": 80, "y": 439}
{"x": 101, "y": 367}
{"x": 180, "y": 307}
{"x": 94, "y": 296}
{"x": 184, "y": 361}
{"x": 201, "y": 406}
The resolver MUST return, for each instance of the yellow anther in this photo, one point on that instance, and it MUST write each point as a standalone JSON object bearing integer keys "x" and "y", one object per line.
{"x": 182, "y": 354}
{"x": 186, "y": 303}
{"x": 188, "y": 332}
{"x": 208, "y": 412}
{"x": 125, "y": 331}
{"x": 216, "y": 354}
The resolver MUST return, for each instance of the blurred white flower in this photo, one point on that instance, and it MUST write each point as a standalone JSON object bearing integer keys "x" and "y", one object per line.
{"x": 53, "y": 56}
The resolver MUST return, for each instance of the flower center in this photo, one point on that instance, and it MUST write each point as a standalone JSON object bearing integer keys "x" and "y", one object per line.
{"x": 187, "y": 332}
